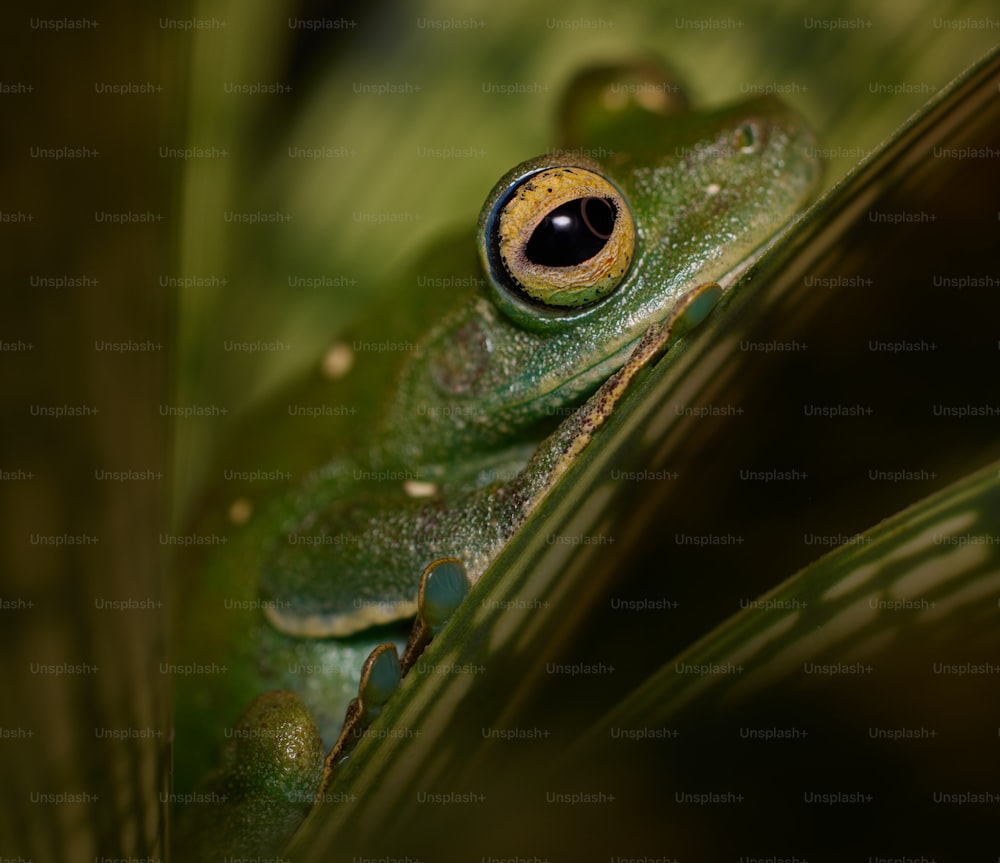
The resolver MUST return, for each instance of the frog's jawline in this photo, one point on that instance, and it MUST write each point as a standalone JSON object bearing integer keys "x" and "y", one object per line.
{"x": 585, "y": 381}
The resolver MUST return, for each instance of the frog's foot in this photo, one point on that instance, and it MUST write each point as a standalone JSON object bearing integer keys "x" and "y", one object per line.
{"x": 443, "y": 586}
{"x": 262, "y": 790}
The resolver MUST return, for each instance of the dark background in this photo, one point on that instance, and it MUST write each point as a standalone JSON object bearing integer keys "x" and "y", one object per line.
{"x": 100, "y": 731}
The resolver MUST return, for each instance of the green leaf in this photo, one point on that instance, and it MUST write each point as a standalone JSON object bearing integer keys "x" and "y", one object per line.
{"x": 924, "y": 583}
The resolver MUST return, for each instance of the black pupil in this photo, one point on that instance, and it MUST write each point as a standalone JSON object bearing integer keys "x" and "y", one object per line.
{"x": 572, "y": 233}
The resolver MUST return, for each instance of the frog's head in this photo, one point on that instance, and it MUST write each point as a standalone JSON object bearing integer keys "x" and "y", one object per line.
{"x": 583, "y": 249}
{"x": 574, "y": 243}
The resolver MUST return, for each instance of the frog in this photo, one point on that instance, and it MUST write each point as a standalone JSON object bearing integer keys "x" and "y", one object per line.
{"x": 590, "y": 261}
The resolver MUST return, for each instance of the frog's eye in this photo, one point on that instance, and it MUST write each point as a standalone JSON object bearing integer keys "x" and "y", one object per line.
{"x": 562, "y": 238}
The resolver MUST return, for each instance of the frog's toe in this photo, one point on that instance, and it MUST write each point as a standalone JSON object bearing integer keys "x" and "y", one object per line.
{"x": 443, "y": 585}
{"x": 380, "y": 678}
{"x": 694, "y": 307}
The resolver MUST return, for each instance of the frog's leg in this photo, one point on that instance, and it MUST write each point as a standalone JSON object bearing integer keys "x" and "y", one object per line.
{"x": 445, "y": 582}
{"x": 264, "y": 786}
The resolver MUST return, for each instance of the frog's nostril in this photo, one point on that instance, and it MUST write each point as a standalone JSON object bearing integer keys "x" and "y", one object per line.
{"x": 747, "y": 138}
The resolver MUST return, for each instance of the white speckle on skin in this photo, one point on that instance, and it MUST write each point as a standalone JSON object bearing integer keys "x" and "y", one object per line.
{"x": 337, "y": 361}
{"x": 240, "y": 511}
{"x": 416, "y": 488}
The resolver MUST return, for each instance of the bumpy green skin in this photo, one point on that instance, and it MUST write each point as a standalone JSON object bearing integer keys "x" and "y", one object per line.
{"x": 489, "y": 383}
{"x": 706, "y": 191}
{"x": 253, "y": 803}
{"x": 507, "y": 374}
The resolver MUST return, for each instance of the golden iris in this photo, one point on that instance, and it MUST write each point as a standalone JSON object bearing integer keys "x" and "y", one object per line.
{"x": 566, "y": 237}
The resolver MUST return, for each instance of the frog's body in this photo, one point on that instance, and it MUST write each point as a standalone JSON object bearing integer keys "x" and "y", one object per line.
{"x": 481, "y": 422}
{"x": 496, "y": 368}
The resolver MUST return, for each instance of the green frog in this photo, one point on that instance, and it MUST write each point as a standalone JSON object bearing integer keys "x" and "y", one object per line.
{"x": 592, "y": 259}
